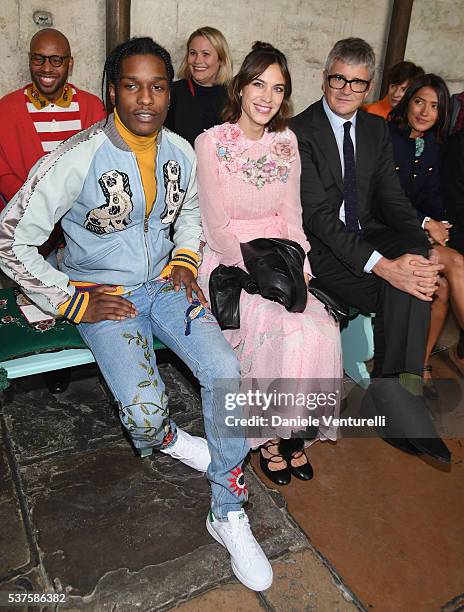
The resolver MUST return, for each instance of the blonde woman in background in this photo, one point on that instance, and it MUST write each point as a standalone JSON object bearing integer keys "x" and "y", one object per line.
{"x": 198, "y": 97}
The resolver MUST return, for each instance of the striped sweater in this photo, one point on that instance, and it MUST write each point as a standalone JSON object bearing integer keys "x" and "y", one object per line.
{"x": 54, "y": 121}
{"x": 20, "y": 143}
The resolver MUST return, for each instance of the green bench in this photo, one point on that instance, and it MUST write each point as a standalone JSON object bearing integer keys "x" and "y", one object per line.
{"x": 27, "y": 349}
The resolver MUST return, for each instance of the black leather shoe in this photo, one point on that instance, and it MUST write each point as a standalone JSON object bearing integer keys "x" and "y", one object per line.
{"x": 435, "y": 447}
{"x": 408, "y": 425}
{"x": 58, "y": 380}
{"x": 303, "y": 472}
{"x": 403, "y": 444}
{"x": 279, "y": 477}
{"x": 291, "y": 449}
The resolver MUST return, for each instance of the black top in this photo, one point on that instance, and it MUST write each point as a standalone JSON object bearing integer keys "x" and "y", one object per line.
{"x": 192, "y": 113}
{"x": 419, "y": 175}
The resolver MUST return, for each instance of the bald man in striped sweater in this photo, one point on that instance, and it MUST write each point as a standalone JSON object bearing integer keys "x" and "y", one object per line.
{"x": 36, "y": 118}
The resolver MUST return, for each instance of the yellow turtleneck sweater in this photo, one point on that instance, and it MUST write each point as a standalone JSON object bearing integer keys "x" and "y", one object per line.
{"x": 144, "y": 149}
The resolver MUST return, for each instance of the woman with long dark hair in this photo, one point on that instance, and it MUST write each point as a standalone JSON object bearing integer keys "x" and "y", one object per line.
{"x": 249, "y": 187}
{"x": 418, "y": 127}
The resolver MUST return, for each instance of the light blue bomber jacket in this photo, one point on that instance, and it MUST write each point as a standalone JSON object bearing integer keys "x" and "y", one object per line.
{"x": 92, "y": 183}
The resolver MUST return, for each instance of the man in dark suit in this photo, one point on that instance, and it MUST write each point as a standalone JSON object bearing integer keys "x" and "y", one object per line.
{"x": 367, "y": 246}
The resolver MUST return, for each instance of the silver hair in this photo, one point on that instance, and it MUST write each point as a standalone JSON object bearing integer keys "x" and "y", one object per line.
{"x": 352, "y": 51}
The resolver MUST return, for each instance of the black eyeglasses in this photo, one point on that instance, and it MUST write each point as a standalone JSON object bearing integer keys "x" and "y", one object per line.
{"x": 336, "y": 81}
{"x": 55, "y": 60}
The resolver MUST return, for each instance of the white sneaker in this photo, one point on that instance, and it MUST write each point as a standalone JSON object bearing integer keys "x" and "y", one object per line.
{"x": 248, "y": 560}
{"x": 191, "y": 450}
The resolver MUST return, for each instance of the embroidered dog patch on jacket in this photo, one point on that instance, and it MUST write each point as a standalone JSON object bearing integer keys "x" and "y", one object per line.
{"x": 115, "y": 214}
{"x": 174, "y": 194}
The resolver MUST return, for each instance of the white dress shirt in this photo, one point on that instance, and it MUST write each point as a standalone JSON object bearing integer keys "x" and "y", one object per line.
{"x": 337, "y": 123}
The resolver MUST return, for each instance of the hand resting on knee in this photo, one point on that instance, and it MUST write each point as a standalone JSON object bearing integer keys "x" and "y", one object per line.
{"x": 104, "y": 306}
{"x": 413, "y": 274}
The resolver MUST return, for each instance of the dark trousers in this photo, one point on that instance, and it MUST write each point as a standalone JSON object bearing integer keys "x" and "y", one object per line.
{"x": 402, "y": 321}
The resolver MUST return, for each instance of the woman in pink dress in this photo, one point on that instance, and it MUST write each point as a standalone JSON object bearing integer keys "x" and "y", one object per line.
{"x": 249, "y": 187}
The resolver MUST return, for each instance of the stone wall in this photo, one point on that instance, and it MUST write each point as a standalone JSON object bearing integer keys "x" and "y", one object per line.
{"x": 83, "y": 22}
{"x": 304, "y": 29}
{"x": 436, "y": 39}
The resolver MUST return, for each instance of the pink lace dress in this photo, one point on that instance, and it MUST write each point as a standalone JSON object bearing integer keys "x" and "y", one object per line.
{"x": 251, "y": 189}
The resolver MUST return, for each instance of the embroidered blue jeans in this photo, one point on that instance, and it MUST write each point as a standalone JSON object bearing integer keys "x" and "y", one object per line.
{"x": 125, "y": 355}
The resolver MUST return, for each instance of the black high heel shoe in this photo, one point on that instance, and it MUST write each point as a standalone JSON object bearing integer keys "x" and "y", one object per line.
{"x": 279, "y": 477}
{"x": 430, "y": 390}
{"x": 291, "y": 449}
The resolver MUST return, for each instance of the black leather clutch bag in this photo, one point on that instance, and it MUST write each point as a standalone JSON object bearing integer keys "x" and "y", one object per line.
{"x": 225, "y": 286}
{"x": 276, "y": 266}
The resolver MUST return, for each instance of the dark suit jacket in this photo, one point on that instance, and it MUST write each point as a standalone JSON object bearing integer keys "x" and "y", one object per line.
{"x": 381, "y": 200}
{"x": 419, "y": 176}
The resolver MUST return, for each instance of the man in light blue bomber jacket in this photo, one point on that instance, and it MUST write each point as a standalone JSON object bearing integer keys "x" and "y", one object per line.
{"x": 120, "y": 188}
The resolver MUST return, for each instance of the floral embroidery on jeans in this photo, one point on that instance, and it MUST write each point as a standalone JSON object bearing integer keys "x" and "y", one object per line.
{"x": 146, "y": 407}
{"x": 237, "y": 482}
{"x": 194, "y": 311}
{"x": 167, "y": 286}
{"x": 168, "y": 438}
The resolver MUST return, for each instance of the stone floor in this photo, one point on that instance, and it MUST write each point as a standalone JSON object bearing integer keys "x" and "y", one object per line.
{"x": 81, "y": 514}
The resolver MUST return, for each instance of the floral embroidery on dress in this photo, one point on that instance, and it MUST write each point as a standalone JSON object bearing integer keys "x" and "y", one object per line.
{"x": 231, "y": 146}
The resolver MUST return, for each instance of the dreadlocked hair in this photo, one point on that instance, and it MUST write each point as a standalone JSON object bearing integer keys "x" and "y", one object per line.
{"x": 134, "y": 46}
